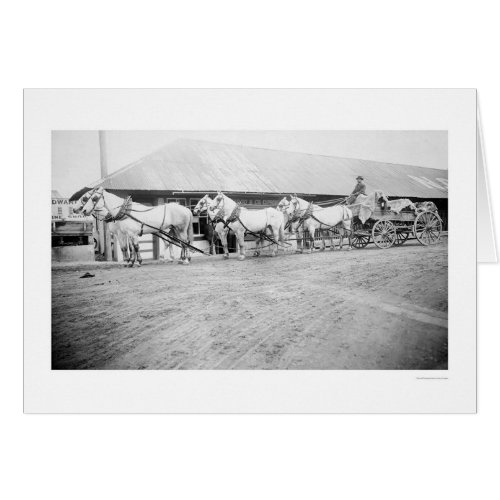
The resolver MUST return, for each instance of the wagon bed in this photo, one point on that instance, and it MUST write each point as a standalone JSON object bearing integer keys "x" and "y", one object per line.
{"x": 387, "y": 228}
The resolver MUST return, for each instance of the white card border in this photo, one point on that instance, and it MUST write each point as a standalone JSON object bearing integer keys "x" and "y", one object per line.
{"x": 205, "y": 391}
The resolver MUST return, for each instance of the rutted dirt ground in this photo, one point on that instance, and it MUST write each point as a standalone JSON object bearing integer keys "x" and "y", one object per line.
{"x": 363, "y": 309}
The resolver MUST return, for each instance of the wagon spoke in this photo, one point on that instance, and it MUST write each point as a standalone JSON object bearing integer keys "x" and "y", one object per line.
{"x": 359, "y": 238}
{"x": 427, "y": 228}
{"x": 384, "y": 233}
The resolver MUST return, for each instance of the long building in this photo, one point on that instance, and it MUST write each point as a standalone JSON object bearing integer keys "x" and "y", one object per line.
{"x": 185, "y": 170}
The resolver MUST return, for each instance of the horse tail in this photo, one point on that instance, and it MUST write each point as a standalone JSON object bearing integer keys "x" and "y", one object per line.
{"x": 190, "y": 231}
{"x": 282, "y": 231}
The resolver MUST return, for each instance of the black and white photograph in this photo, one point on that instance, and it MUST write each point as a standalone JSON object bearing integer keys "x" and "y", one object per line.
{"x": 249, "y": 250}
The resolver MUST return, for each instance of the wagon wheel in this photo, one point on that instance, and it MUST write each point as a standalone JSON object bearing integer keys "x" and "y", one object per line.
{"x": 427, "y": 228}
{"x": 359, "y": 238}
{"x": 384, "y": 233}
{"x": 402, "y": 233}
{"x": 401, "y": 237}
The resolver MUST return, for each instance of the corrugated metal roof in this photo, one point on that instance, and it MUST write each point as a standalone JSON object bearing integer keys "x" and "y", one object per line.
{"x": 192, "y": 165}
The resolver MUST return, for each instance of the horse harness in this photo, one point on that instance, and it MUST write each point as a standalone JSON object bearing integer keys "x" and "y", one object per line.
{"x": 125, "y": 211}
{"x": 309, "y": 213}
{"x": 300, "y": 215}
{"x": 235, "y": 217}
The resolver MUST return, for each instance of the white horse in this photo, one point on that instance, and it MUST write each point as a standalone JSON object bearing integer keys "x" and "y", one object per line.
{"x": 241, "y": 220}
{"x": 120, "y": 236}
{"x": 134, "y": 220}
{"x": 304, "y": 215}
{"x": 206, "y": 204}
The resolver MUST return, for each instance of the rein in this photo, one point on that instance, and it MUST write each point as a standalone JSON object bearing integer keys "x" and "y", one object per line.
{"x": 212, "y": 219}
{"x": 235, "y": 217}
{"x": 169, "y": 237}
{"x": 125, "y": 211}
{"x": 309, "y": 213}
{"x": 300, "y": 215}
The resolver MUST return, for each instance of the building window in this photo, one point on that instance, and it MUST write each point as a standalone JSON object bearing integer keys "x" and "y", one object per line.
{"x": 180, "y": 201}
{"x": 199, "y": 224}
{"x": 193, "y": 202}
{"x": 203, "y": 223}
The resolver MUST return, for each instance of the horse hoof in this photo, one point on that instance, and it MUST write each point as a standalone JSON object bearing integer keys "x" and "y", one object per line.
{"x": 256, "y": 254}
{"x": 185, "y": 262}
{"x": 226, "y": 256}
{"x": 130, "y": 264}
{"x": 241, "y": 257}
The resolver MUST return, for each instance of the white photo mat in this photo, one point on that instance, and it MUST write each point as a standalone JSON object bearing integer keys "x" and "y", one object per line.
{"x": 257, "y": 391}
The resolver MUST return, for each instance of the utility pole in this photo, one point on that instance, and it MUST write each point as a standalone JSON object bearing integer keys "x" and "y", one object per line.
{"x": 108, "y": 254}
{"x": 103, "y": 153}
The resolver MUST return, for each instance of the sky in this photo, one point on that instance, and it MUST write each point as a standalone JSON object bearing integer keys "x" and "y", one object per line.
{"x": 76, "y": 163}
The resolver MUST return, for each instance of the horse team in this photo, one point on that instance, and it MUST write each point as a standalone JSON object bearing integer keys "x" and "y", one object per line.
{"x": 129, "y": 220}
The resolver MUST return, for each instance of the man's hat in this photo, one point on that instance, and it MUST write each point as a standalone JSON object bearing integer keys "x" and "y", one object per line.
{"x": 359, "y": 177}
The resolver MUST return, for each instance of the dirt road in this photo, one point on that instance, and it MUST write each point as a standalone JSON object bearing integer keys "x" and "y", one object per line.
{"x": 363, "y": 309}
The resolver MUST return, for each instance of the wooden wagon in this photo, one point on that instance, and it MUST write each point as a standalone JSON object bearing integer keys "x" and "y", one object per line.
{"x": 387, "y": 228}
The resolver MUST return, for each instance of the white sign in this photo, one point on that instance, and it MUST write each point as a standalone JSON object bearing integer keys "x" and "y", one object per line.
{"x": 63, "y": 209}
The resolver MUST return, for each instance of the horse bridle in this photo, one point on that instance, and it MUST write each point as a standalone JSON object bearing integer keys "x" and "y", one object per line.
{"x": 220, "y": 201}
{"x": 203, "y": 206}
{"x": 95, "y": 198}
{"x": 281, "y": 205}
{"x": 95, "y": 195}
{"x": 294, "y": 216}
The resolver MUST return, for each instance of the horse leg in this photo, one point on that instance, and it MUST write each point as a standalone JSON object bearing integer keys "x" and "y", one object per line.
{"x": 126, "y": 255}
{"x": 258, "y": 243}
{"x": 123, "y": 240}
{"x": 133, "y": 254}
{"x": 311, "y": 238}
{"x": 223, "y": 238}
{"x": 184, "y": 236}
{"x": 299, "y": 241}
{"x": 349, "y": 243}
{"x": 241, "y": 241}
{"x": 168, "y": 246}
{"x": 184, "y": 256}
{"x": 212, "y": 244}
{"x": 323, "y": 241}
{"x": 347, "y": 228}
{"x": 135, "y": 243}
{"x": 332, "y": 240}
{"x": 276, "y": 237}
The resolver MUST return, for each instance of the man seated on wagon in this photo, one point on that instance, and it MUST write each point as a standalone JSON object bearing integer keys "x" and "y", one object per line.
{"x": 359, "y": 188}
